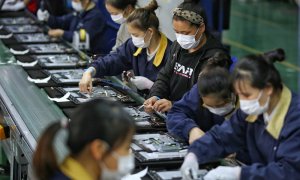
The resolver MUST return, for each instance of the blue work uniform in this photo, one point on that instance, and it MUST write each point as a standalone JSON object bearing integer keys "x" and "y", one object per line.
{"x": 92, "y": 21}
{"x": 128, "y": 57}
{"x": 188, "y": 113}
{"x": 273, "y": 147}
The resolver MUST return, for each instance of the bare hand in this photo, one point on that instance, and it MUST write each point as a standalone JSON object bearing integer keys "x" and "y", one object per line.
{"x": 56, "y": 33}
{"x": 85, "y": 83}
{"x": 195, "y": 134}
{"x": 148, "y": 104}
{"x": 162, "y": 105}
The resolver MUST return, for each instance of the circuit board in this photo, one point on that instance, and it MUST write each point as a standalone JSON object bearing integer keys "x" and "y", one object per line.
{"x": 34, "y": 38}
{"x": 173, "y": 175}
{"x": 47, "y": 48}
{"x": 66, "y": 76}
{"x": 158, "y": 147}
{"x": 16, "y": 20}
{"x": 22, "y": 28}
{"x": 98, "y": 91}
{"x": 57, "y": 60}
{"x": 137, "y": 114}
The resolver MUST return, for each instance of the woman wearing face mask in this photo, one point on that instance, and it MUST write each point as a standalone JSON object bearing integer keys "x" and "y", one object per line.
{"x": 189, "y": 54}
{"x": 267, "y": 125}
{"x": 145, "y": 53}
{"x": 87, "y": 17}
{"x": 209, "y": 102}
{"x": 119, "y": 11}
{"x": 96, "y": 152}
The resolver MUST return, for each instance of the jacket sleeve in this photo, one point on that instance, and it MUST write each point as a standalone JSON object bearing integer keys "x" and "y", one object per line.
{"x": 287, "y": 154}
{"x": 116, "y": 62}
{"x": 181, "y": 117}
{"x": 161, "y": 87}
{"x": 221, "y": 140}
{"x": 60, "y": 22}
{"x": 94, "y": 25}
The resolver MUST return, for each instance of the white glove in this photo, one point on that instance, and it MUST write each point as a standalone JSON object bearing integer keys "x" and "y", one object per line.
{"x": 142, "y": 82}
{"x": 189, "y": 167}
{"x": 13, "y": 6}
{"x": 224, "y": 173}
{"x": 43, "y": 15}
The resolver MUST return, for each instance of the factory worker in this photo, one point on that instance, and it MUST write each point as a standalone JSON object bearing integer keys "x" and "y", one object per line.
{"x": 119, "y": 10}
{"x": 96, "y": 152}
{"x": 194, "y": 45}
{"x": 267, "y": 125}
{"x": 87, "y": 17}
{"x": 145, "y": 53}
{"x": 209, "y": 102}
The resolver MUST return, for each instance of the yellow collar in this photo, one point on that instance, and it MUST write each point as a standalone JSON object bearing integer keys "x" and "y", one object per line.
{"x": 163, "y": 44}
{"x": 276, "y": 123}
{"x": 75, "y": 171}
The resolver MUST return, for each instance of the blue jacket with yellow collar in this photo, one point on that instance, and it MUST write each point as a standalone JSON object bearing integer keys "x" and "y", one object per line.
{"x": 128, "y": 57}
{"x": 188, "y": 113}
{"x": 273, "y": 148}
{"x": 92, "y": 21}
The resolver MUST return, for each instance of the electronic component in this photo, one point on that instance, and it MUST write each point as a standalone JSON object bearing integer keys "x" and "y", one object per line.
{"x": 34, "y": 38}
{"x": 173, "y": 175}
{"x": 98, "y": 91}
{"x": 22, "y": 28}
{"x": 58, "y": 60}
{"x": 16, "y": 20}
{"x": 48, "y": 48}
{"x": 66, "y": 76}
{"x": 159, "y": 147}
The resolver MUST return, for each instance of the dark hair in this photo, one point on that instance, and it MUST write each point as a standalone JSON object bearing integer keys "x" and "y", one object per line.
{"x": 191, "y": 5}
{"x": 121, "y": 4}
{"x": 145, "y": 18}
{"x": 97, "y": 119}
{"x": 215, "y": 78}
{"x": 260, "y": 70}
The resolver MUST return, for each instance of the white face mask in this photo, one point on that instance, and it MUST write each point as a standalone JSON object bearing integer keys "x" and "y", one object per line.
{"x": 221, "y": 111}
{"x": 118, "y": 18}
{"x": 125, "y": 166}
{"x": 77, "y": 6}
{"x": 139, "y": 42}
{"x": 188, "y": 41}
{"x": 252, "y": 107}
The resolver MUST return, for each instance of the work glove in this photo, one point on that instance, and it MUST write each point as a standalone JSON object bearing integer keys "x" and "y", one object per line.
{"x": 13, "y": 6}
{"x": 142, "y": 82}
{"x": 224, "y": 173}
{"x": 43, "y": 15}
{"x": 189, "y": 167}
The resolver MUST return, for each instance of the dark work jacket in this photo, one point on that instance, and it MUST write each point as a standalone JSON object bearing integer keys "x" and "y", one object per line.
{"x": 92, "y": 21}
{"x": 273, "y": 148}
{"x": 128, "y": 57}
{"x": 182, "y": 69}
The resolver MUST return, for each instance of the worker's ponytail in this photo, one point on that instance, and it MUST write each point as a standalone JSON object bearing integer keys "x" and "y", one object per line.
{"x": 144, "y": 18}
{"x": 214, "y": 79}
{"x": 44, "y": 159}
{"x": 259, "y": 69}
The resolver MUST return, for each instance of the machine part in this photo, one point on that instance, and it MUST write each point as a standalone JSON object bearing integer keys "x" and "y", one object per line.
{"x": 81, "y": 40}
